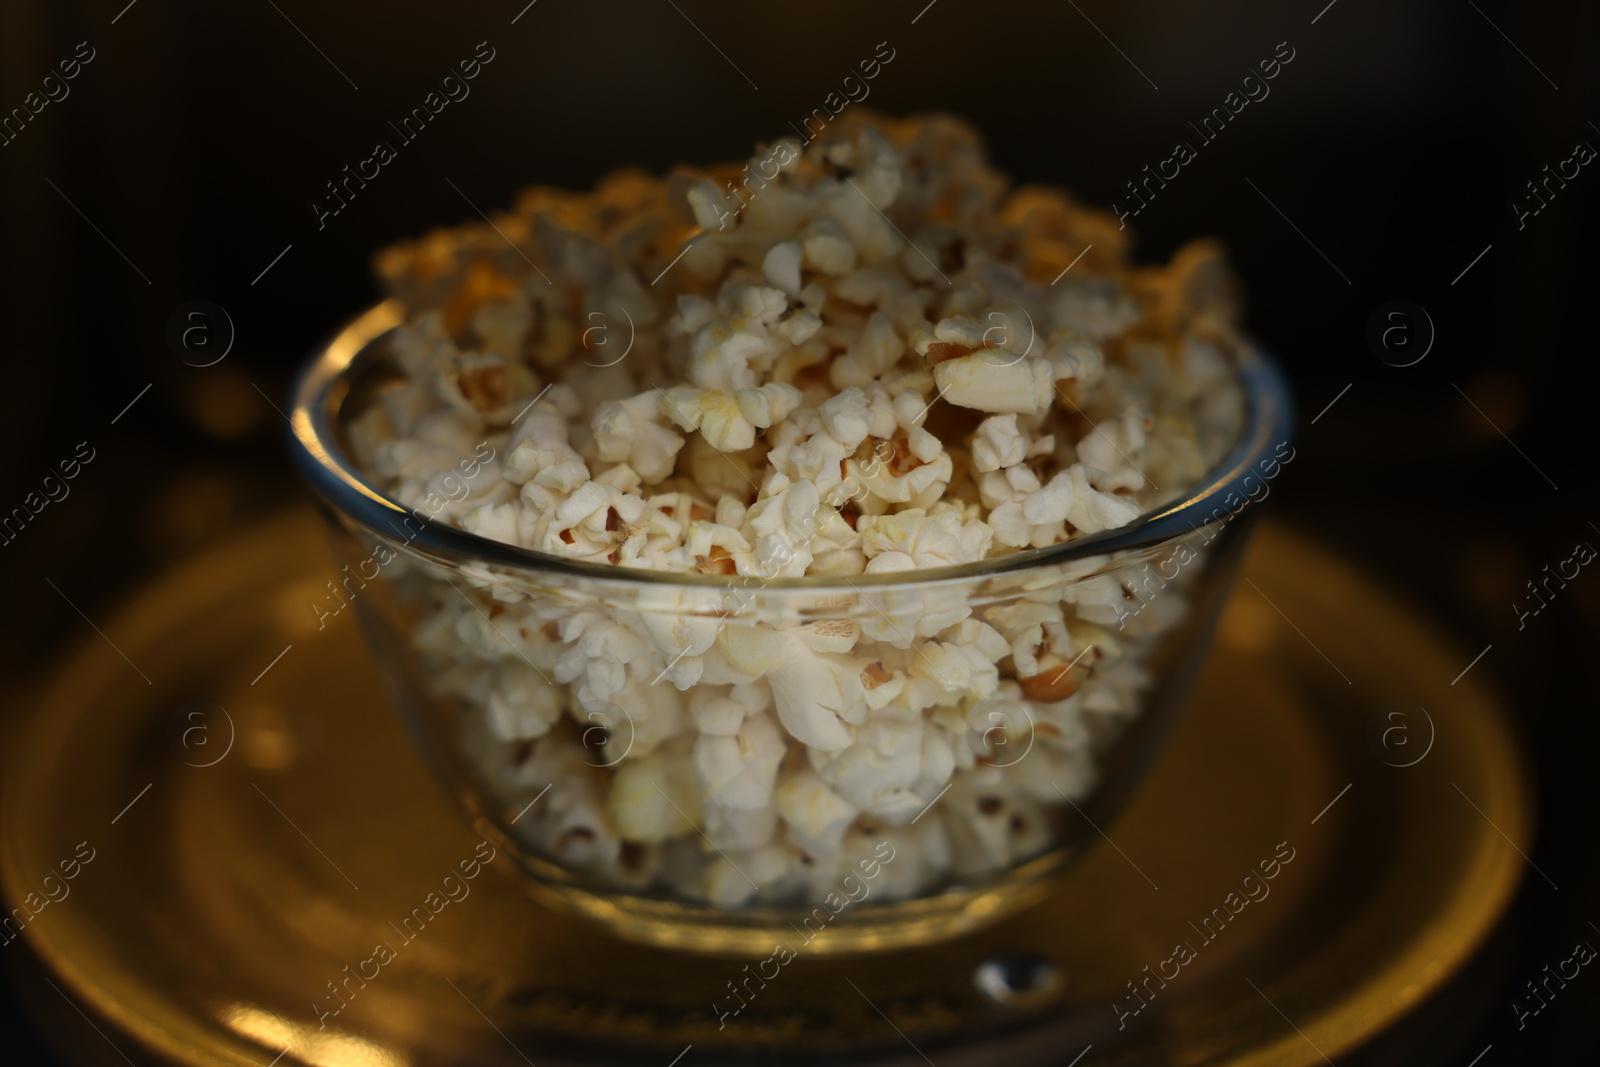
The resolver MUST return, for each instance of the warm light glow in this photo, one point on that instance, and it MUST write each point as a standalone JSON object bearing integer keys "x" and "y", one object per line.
{"x": 338, "y": 355}
{"x": 324, "y": 1048}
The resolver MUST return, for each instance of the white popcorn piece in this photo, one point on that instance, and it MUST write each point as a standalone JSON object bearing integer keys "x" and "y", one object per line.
{"x": 938, "y": 761}
{"x": 992, "y": 825}
{"x": 1053, "y": 502}
{"x": 781, "y": 265}
{"x": 717, "y": 716}
{"x": 816, "y": 816}
{"x": 678, "y": 631}
{"x": 1114, "y": 449}
{"x": 576, "y": 833}
{"x": 915, "y": 538}
{"x": 1097, "y": 308}
{"x": 960, "y": 330}
{"x": 783, "y": 524}
{"x": 721, "y": 354}
{"x": 728, "y": 421}
{"x": 652, "y": 799}
{"x": 422, "y": 344}
{"x": 880, "y": 686}
{"x": 1023, "y": 387}
{"x": 739, "y": 829}
{"x": 923, "y": 445}
{"x": 828, "y": 248}
{"x": 1093, "y": 510}
{"x": 877, "y": 349}
{"x": 998, "y": 443}
{"x": 846, "y": 418}
{"x": 752, "y": 648}
{"x": 694, "y": 312}
{"x": 729, "y": 884}
{"x": 708, "y": 545}
{"x": 498, "y": 522}
{"x": 538, "y": 441}
{"x": 813, "y": 692}
{"x": 830, "y": 635}
{"x": 713, "y": 208}
{"x": 483, "y": 385}
{"x": 757, "y": 303}
{"x": 798, "y": 328}
{"x": 958, "y": 670}
{"x": 636, "y": 720}
{"x": 739, "y": 771}
{"x": 703, "y": 257}
{"x": 920, "y": 486}
{"x": 820, "y": 460}
{"x": 876, "y": 773}
{"x": 1010, "y": 330}
{"x": 522, "y": 703}
{"x": 775, "y": 211}
{"x": 627, "y": 431}
{"x": 1078, "y": 360}
{"x": 1011, "y": 527}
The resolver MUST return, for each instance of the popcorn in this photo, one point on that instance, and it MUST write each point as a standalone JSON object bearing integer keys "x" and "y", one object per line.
{"x": 538, "y": 442}
{"x": 815, "y": 815}
{"x": 652, "y": 799}
{"x": 626, "y": 431}
{"x": 503, "y": 324}
{"x": 998, "y": 443}
{"x": 827, "y": 248}
{"x": 781, "y": 265}
{"x": 1093, "y": 510}
{"x": 991, "y": 826}
{"x": 739, "y": 771}
{"x": 753, "y": 648}
{"x": 716, "y": 716}
{"x": 1050, "y": 503}
{"x": 876, "y": 350}
{"x": 498, "y": 522}
{"x": 1111, "y": 450}
{"x": 812, "y": 692}
{"x": 638, "y": 718}
{"x": 521, "y": 704}
{"x": 868, "y": 363}
{"x": 1022, "y": 386}
{"x": 728, "y": 421}
{"x": 740, "y": 830}
{"x": 910, "y": 539}
{"x": 876, "y": 772}
{"x": 784, "y": 523}
{"x": 846, "y": 418}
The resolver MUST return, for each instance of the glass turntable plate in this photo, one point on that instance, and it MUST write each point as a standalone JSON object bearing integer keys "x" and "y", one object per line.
{"x": 259, "y": 823}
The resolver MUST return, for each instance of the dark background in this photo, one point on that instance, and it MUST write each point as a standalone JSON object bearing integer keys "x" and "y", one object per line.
{"x": 1396, "y": 141}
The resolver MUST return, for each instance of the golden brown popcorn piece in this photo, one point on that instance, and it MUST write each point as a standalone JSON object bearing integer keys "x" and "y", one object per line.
{"x": 904, "y": 460}
{"x": 874, "y": 675}
{"x": 1053, "y": 229}
{"x": 1053, "y": 683}
{"x": 481, "y": 284}
{"x": 486, "y": 386}
{"x": 1196, "y": 285}
{"x": 719, "y": 562}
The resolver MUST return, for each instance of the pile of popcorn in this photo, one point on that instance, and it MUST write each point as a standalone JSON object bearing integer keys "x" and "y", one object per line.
{"x": 863, "y": 355}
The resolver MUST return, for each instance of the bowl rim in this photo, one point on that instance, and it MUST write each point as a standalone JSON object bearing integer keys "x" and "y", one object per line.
{"x": 323, "y": 385}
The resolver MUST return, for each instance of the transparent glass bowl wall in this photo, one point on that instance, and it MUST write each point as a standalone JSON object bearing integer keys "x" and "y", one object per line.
{"x": 717, "y": 763}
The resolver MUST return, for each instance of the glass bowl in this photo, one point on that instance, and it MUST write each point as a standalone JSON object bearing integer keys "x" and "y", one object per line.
{"x": 712, "y": 763}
